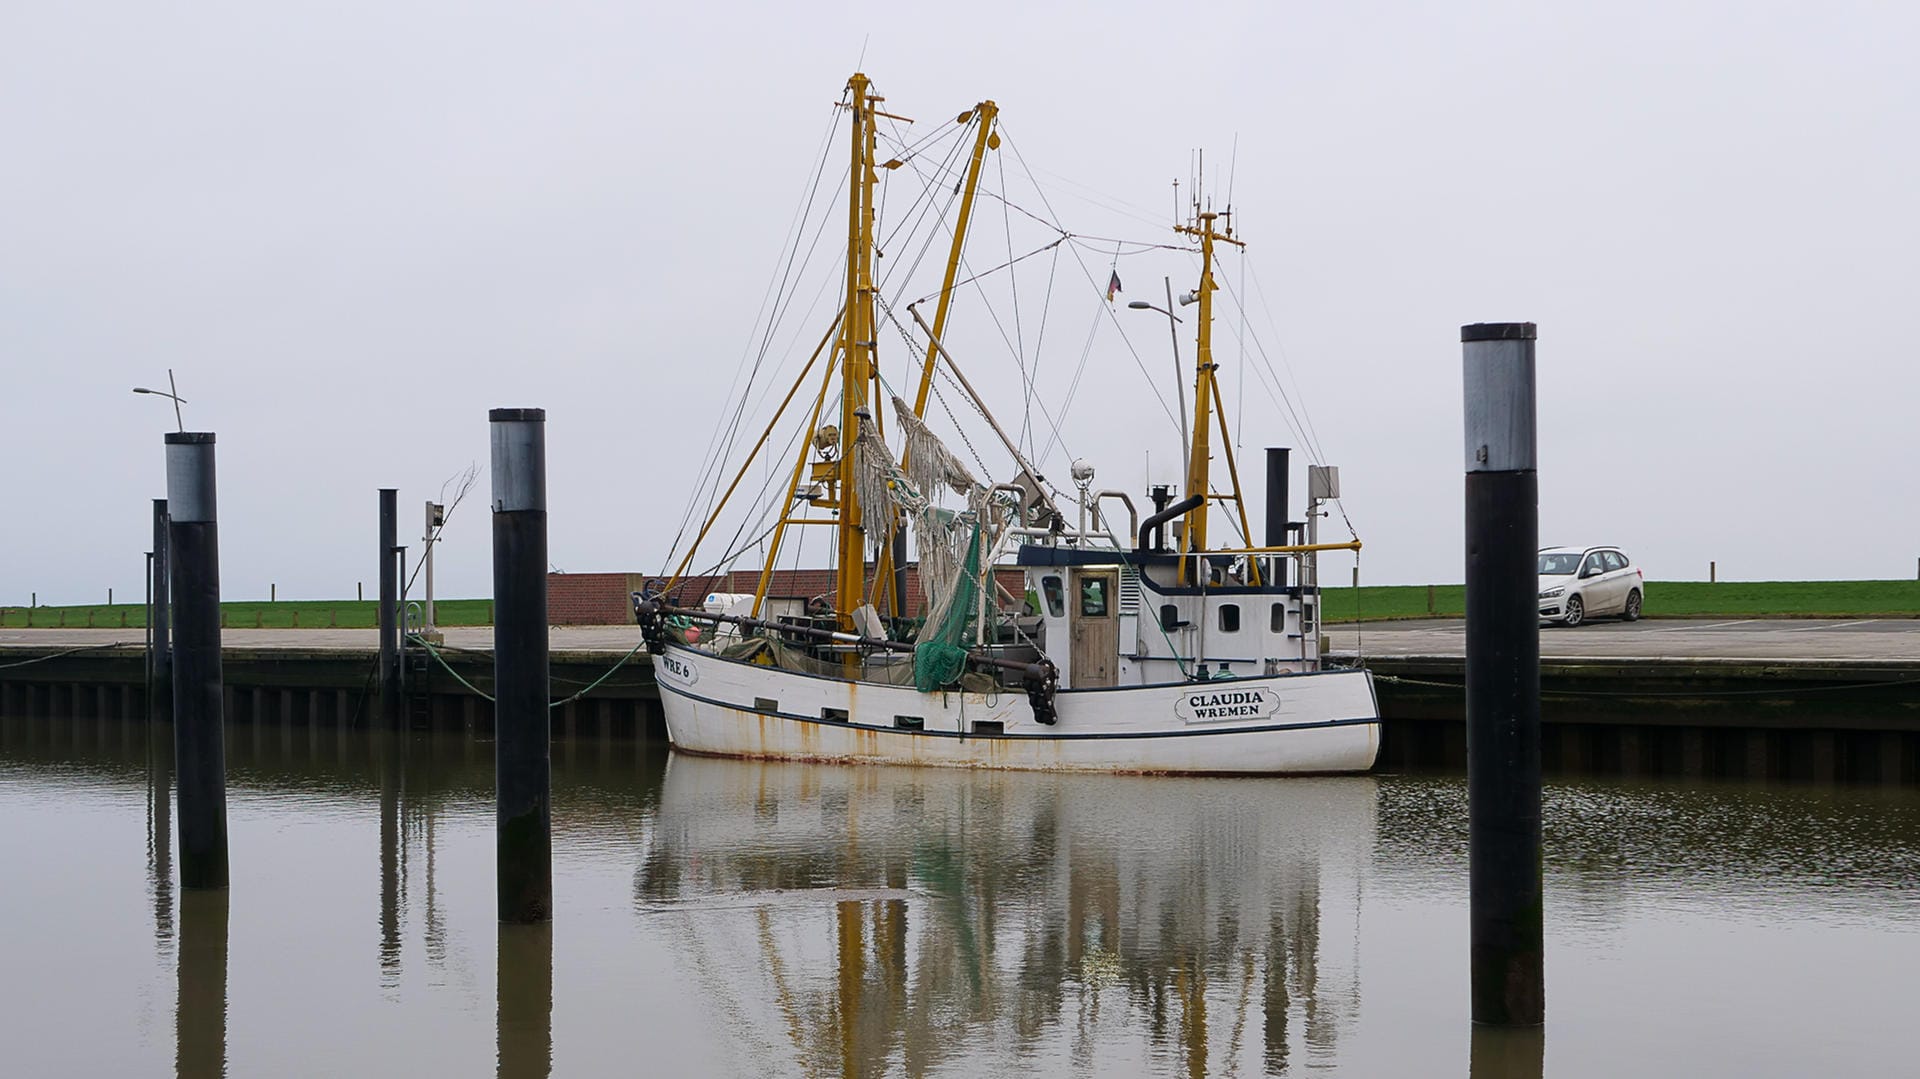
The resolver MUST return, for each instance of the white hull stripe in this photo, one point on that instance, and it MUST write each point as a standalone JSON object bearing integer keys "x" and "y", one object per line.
{"x": 1016, "y": 736}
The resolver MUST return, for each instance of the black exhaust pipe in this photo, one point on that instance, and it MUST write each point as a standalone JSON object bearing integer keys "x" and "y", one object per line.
{"x": 1185, "y": 505}
{"x": 1278, "y": 462}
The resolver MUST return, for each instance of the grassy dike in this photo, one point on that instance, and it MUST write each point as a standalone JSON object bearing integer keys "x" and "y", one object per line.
{"x": 286, "y": 614}
{"x": 1369, "y": 603}
{"x": 1664, "y": 599}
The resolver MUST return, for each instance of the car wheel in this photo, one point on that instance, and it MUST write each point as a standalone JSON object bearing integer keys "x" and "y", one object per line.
{"x": 1576, "y": 612}
{"x": 1631, "y": 613}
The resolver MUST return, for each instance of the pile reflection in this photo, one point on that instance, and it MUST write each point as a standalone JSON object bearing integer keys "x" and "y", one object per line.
{"x": 523, "y": 1017}
{"x": 200, "y": 1006}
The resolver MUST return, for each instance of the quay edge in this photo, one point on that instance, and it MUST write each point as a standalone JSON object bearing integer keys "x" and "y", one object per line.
{"x": 1842, "y": 720}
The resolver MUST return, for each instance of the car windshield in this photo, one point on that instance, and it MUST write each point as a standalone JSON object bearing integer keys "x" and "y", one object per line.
{"x": 1558, "y": 565}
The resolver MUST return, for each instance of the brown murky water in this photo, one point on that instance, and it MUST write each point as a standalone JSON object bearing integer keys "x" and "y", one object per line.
{"x": 733, "y": 918}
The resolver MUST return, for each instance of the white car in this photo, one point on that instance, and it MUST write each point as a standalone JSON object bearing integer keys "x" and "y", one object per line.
{"x": 1578, "y": 583}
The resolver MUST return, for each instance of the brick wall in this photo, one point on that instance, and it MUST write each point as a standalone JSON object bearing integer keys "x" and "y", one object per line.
{"x": 601, "y": 599}
{"x": 591, "y": 599}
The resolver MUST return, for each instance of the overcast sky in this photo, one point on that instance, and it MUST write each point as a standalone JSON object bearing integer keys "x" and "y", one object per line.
{"x": 351, "y": 228}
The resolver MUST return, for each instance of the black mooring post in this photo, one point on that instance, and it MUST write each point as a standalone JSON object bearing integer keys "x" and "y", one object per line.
{"x": 522, "y": 746}
{"x": 200, "y": 753}
{"x": 159, "y": 622}
{"x": 1503, "y": 675}
{"x": 389, "y": 606}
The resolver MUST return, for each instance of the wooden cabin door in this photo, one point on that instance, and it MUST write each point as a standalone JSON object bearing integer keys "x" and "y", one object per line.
{"x": 1096, "y": 628}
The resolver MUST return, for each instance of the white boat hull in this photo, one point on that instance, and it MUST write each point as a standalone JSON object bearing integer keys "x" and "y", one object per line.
{"x": 1325, "y": 722}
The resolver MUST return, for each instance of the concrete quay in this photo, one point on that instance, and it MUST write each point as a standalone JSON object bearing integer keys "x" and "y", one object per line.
{"x": 1745, "y": 698}
{"x": 325, "y": 677}
{"x": 1682, "y": 640}
{"x": 1803, "y": 699}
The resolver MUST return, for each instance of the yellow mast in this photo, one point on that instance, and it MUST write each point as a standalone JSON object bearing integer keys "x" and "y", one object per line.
{"x": 853, "y": 355}
{"x": 856, "y": 345}
{"x": 788, "y": 512}
{"x": 1195, "y": 538}
{"x": 985, "y": 139}
{"x": 792, "y": 493}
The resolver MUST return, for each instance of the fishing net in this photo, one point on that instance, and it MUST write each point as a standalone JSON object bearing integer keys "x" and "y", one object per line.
{"x": 939, "y": 657}
{"x": 929, "y": 463}
{"x": 880, "y": 485}
{"x": 951, "y": 544}
{"x": 771, "y": 652}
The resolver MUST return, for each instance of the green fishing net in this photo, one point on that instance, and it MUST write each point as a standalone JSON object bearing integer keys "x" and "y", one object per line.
{"x": 939, "y": 658}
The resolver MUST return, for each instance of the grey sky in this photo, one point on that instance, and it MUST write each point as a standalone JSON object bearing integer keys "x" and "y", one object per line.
{"x": 352, "y": 228}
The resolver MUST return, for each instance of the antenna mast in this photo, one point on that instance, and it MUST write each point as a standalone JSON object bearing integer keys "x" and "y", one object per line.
{"x": 1206, "y": 388}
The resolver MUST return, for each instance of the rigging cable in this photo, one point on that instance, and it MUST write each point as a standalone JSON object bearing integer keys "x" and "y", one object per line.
{"x": 924, "y": 205}
{"x": 1101, "y": 199}
{"x": 715, "y": 456}
{"x": 1303, "y": 421}
{"x": 1152, "y": 385}
{"x": 1013, "y": 282}
{"x": 1266, "y": 308}
{"x": 1240, "y": 392}
{"x": 1279, "y": 394}
{"x": 1046, "y": 308}
{"x": 994, "y": 315}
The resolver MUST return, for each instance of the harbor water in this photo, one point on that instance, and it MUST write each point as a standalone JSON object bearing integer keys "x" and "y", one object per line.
{"x": 722, "y": 917}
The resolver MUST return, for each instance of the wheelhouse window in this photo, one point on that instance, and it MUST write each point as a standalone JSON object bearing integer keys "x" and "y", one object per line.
{"x": 1169, "y": 617}
{"x": 1230, "y": 618}
{"x": 1279, "y": 624}
{"x": 1093, "y": 597}
{"x": 1056, "y": 596}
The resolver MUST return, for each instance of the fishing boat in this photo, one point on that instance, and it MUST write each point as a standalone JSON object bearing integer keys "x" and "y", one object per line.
{"x": 1040, "y": 637}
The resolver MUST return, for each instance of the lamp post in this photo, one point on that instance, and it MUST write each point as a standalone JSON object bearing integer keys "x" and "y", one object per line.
{"x": 1179, "y": 375}
{"x": 159, "y": 576}
{"x": 172, "y": 392}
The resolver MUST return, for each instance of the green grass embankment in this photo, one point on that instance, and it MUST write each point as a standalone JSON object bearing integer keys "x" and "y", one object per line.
{"x": 1369, "y": 603}
{"x": 285, "y": 614}
{"x": 1664, "y": 599}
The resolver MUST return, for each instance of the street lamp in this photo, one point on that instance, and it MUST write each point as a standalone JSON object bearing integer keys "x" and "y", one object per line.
{"x": 175, "y": 395}
{"x": 1179, "y": 383}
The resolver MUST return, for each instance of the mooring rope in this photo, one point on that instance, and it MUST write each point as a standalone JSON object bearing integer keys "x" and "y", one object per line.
{"x": 68, "y": 652}
{"x": 478, "y": 692}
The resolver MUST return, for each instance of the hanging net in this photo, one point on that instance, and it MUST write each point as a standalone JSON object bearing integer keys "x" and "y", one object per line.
{"x": 952, "y": 545}
{"x": 930, "y": 465}
{"x": 880, "y": 486}
{"x": 939, "y": 657}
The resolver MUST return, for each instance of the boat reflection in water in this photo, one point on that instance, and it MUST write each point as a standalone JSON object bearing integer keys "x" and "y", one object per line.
{"x": 859, "y": 920}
